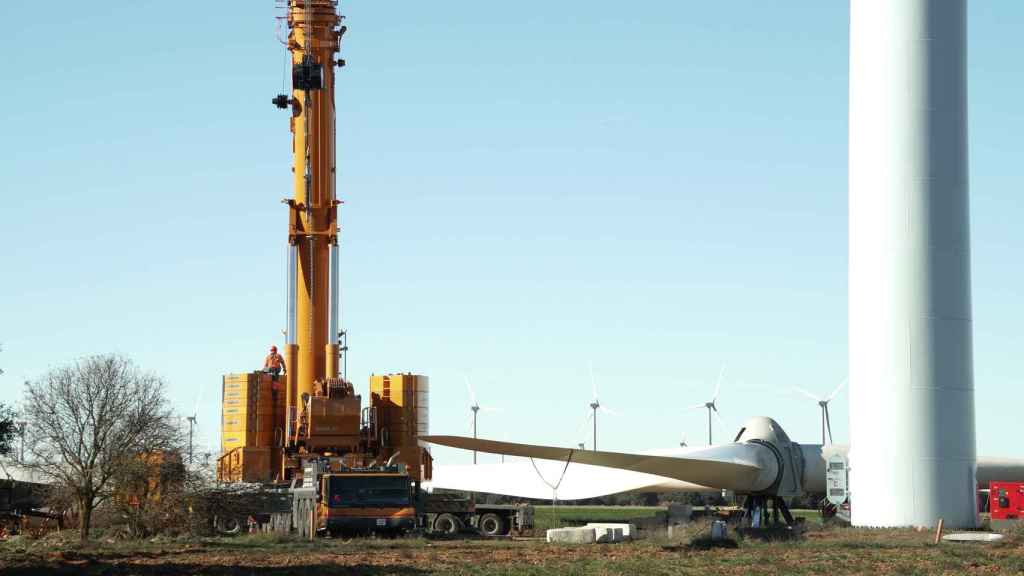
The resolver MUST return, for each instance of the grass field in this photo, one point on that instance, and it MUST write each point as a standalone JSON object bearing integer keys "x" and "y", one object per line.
{"x": 822, "y": 550}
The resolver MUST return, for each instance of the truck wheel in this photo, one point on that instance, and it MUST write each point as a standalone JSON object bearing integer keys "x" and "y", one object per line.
{"x": 447, "y": 524}
{"x": 492, "y": 525}
{"x": 228, "y": 526}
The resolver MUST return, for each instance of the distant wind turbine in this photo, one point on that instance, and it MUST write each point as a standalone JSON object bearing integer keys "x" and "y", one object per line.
{"x": 711, "y": 405}
{"x": 826, "y": 423}
{"x": 193, "y": 422}
{"x": 475, "y": 408}
{"x": 595, "y": 405}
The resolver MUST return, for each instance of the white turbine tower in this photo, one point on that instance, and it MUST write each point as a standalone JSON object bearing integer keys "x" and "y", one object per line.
{"x": 595, "y": 405}
{"x": 826, "y": 423}
{"x": 711, "y": 406}
{"x": 475, "y": 408}
{"x": 912, "y": 432}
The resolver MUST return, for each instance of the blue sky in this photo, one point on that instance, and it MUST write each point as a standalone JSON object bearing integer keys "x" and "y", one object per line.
{"x": 656, "y": 189}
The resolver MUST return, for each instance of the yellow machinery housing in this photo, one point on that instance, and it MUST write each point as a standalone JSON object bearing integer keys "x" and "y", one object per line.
{"x": 252, "y": 411}
{"x": 401, "y": 405}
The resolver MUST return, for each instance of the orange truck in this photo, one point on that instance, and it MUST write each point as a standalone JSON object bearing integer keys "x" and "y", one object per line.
{"x": 367, "y": 501}
{"x": 383, "y": 500}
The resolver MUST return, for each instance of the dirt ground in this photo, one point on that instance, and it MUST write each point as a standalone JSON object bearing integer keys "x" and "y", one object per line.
{"x": 826, "y": 551}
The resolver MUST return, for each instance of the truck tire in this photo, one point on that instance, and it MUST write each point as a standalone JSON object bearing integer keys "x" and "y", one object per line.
{"x": 491, "y": 524}
{"x": 447, "y": 524}
{"x": 228, "y": 526}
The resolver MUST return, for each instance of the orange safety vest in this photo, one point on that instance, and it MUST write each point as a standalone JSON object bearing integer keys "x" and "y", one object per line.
{"x": 273, "y": 361}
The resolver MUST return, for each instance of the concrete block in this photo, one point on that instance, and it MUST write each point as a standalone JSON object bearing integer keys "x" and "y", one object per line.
{"x": 608, "y": 535}
{"x": 572, "y": 535}
{"x": 628, "y": 530}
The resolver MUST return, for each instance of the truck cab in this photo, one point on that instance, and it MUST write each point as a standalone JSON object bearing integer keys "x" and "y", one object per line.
{"x": 362, "y": 502}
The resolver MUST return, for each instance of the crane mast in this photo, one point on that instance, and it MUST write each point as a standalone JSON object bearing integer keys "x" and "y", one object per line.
{"x": 311, "y": 351}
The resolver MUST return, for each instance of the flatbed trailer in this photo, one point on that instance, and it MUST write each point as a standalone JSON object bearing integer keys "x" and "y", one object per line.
{"x": 20, "y": 500}
{"x": 452, "y": 514}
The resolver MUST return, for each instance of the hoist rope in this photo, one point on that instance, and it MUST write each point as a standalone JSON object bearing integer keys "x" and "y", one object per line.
{"x": 554, "y": 487}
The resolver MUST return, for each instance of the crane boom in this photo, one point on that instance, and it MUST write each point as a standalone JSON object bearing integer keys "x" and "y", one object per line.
{"x": 311, "y": 351}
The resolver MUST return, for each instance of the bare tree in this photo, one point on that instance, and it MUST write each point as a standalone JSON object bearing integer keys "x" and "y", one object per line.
{"x": 8, "y": 425}
{"x": 90, "y": 421}
{"x": 8, "y": 429}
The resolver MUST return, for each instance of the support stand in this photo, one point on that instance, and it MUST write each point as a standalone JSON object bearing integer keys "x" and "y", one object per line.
{"x": 765, "y": 511}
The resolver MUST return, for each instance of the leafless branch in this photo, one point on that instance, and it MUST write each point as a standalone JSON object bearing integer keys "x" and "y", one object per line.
{"x": 90, "y": 420}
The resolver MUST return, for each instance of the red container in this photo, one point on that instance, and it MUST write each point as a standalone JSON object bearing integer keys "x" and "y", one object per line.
{"x": 1006, "y": 500}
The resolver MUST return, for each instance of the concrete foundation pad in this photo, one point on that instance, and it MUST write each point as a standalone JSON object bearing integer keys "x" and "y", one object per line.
{"x": 572, "y": 535}
{"x": 972, "y": 537}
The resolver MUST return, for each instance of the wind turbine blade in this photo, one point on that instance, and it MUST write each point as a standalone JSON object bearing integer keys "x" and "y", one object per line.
{"x": 740, "y": 467}
{"x": 718, "y": 385}
{"x": 199, "y": 399}
{"x": 806, "y": 393}
{"x": 695, "y": 406}
{"x": 836, "y": 391}
{"x": 593, "y": 381}
{"x": 472, "y": 393}
{"x": 608, "y": 411}
{"x": 718, "y": 419}
{"x": 590, "y": 414}
{"x": 828, "y": 424}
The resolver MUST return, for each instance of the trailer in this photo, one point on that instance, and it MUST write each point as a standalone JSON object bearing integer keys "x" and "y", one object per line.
{"x": 20, "y": 501}
{"x": 451, "y": 514}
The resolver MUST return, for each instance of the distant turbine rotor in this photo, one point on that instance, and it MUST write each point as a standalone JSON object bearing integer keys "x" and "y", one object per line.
{"x": 826, "y": 422}
{"x": 595, "y": 405}
{"x": 193, "y": 421}
{"x": 712, "y": 405}
{"x": 475, "y": 408}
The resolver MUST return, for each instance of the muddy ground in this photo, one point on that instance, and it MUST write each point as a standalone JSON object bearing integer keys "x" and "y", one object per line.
{"x": 824, "y": 551}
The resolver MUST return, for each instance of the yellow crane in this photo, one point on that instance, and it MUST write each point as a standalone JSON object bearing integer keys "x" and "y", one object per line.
{"x": 272, "y": 428}
{"x": 345, "y": 467}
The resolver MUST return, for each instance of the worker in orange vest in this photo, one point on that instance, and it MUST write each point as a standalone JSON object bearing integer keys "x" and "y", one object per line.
{"x": 274, "y": 364}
